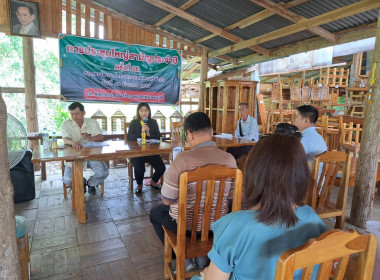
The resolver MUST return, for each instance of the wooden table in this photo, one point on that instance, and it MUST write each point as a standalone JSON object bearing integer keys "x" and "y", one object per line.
{"x": 115, "y": 150}
{"x": 355, "y": 120}
{"x": 108, "y": 135}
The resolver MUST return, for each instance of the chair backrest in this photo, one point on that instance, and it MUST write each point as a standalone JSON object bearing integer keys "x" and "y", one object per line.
{"x": 350, "y": 134}
{"x": 333, "y": 245}
{"x": 208, "y": 174}
{"x": 332, "y": 163}
{"x": 306, "y": 93}
{"x": 126, "y": 127}
{"x": 295, "y": 93}
{"x": 176, "y": 130}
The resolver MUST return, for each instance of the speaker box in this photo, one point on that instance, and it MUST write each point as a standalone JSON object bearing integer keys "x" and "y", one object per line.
{"x": 22, "y": 177}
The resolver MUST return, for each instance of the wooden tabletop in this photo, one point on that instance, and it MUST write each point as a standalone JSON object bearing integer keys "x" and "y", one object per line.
{"x": 108, "y": 135}
{"x": 123, "y": 149}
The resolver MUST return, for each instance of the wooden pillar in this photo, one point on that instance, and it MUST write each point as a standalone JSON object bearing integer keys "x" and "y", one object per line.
{"x": 30, "y": 94}
{"x": 30, "y": 85}
{"x": 355, "y": 67}
{"x": 9, "y": 262}
{"x": 203, "y": 78}
{"x": 362, "y": 201}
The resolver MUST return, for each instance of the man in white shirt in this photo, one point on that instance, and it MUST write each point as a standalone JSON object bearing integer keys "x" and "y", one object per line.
{"x": 25, "y": 15}
{"x": 311, "y": 140}
{"x": 246, "y": 128}
{"x": 76, "y": 132}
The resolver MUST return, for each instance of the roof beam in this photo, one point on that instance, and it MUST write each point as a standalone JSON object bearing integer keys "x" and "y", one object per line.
{"x": 238, "y": 72}
{"x": 185, "y": 6}
{"x": 136, "y": 23}
{"x": 252, "y": 19}
{"x": 203, "y": 24}
{"x": 293, "y": 17}
{"x": 350, "y": 35}
{"x": 191, "y": 70}
{"x": 301, "y": 25}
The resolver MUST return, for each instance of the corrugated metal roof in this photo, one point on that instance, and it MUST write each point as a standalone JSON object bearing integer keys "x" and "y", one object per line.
{"x": 184, "y": 29}
{"x": 216, "y": 43}
{"x": 135, "y": 9}
{"x": 222, "y": 13}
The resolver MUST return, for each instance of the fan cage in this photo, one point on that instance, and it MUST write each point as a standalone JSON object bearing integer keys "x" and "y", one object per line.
{"x": 17, "y": 141}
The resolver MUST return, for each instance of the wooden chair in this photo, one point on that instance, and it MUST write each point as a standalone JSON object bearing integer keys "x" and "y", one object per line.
{"x": 319, "y": 196}
{"x": 350, "y": 137}
{"x": 332, "y": 131}
{"x": 65, "y": 187}
{"x": 24, "y": 255}
{"x": 176, "y": 131}
{"x": 333, "y": 245}
{"x": 129, "y": 163}
{"x": 198, "y": 245}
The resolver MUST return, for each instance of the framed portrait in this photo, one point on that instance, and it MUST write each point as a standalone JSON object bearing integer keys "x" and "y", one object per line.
{"x": 25, "y": 18}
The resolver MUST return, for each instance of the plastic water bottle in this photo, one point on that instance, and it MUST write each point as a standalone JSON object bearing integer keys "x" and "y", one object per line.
{"x": 54, "y": 144}
{"x": 45, "y": 138}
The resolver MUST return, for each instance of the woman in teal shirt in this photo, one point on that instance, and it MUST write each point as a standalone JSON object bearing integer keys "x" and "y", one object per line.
{"x": 248, "y": 243}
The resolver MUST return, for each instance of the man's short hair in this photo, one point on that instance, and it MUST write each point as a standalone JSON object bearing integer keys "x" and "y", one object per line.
{"x": 245, "y": 104}
{"x": 308, "y": 111}
{"x": 288, "y": 129}
{"x": 75, "y": 105}
{"x": 197, "y": 121}
{"x": 31, "y": 10}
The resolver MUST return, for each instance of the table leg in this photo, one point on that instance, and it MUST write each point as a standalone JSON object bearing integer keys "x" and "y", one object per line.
{"x": 43, "y": 171}
{"x": 73, "y": 202}
{"x": 79, "y": 194}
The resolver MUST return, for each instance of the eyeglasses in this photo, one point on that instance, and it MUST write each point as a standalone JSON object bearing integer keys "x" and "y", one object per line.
{"x": 242, "y": 109}
{"x": 186, "y": 133}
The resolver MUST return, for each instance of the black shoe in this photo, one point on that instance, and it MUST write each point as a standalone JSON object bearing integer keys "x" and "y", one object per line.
{"x": 91, "y": 190}
{"x": 84, "y": 184}
{"x": 138, "y": 191}
{"x": 157, "y": 187}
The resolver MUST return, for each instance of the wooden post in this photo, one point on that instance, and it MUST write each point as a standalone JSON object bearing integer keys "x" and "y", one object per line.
{"x": 30, "y": 93}
{"x": 362, "y": 200}
{"x": 203, "y": 78}
{"x": 30, "y": 85}
{"x": 9, "y": 261}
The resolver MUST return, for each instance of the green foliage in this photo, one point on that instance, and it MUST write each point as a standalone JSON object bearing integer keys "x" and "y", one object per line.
{"x": 60, "y": 116}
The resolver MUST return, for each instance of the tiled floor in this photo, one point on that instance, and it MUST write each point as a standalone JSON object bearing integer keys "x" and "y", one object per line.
{"x": 118, "y": 241}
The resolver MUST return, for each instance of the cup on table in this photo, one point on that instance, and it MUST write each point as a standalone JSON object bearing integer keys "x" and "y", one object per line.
{"x": 48, "y": 144}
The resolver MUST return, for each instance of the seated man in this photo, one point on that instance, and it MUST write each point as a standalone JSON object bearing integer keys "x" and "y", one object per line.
{"x": 246, "y": 128}
{"x": 76, "y": 132}
{"x": 288, "y": 129}
{"x": 203, "y": 152}
{"x": 311, "y": 140}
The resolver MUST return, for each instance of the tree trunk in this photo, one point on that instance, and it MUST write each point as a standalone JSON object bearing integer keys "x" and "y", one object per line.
{"x": 9, "y": 260}
{"x": 30, "y": 87}
{"x": 362, "y": 201}
{"x": 203, "y": 78}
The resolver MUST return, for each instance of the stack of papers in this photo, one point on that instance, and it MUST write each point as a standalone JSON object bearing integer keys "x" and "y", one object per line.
{"x": 152, "y": 141}
{"x": 90, "y": 144}
{"x": 225, "y": 135}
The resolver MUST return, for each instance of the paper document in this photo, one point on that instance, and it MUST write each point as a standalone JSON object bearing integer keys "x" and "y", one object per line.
{"x": 152, "y": 141}
{"x": 90, "y": 144}
{"x": 225, "y": 135}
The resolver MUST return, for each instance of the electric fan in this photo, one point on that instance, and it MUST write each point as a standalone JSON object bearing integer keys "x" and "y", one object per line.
{"x": 17, "y": 141}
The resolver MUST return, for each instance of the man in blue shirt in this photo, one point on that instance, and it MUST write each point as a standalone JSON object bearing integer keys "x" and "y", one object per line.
{"x": 246, "y": 128}
{"x": 311, "y": 140}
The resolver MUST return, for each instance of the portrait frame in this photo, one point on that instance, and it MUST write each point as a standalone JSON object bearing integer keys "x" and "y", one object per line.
{"x": 24, "y": 18}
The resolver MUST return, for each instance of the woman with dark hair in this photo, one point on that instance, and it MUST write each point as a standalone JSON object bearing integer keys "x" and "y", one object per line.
{"x": 143, "y": 115}
{"x": 248, "y": 243}
{"x": 288, "y": 129}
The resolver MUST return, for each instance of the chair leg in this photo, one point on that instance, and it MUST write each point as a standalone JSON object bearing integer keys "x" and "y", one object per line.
{"x": 168, "y": 257}
{"x": 180, "y": 274}
{"x": 64, "y": 185}
{"x": 23, "y": 255}
{"x": 339, "y": 223}
{"x": 102, "y": 188}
